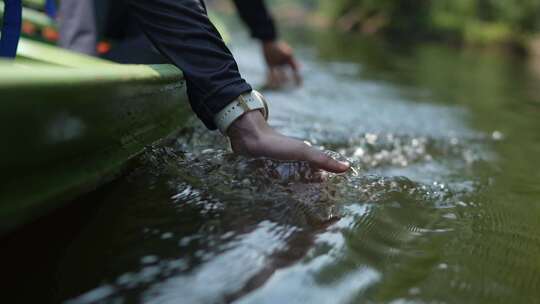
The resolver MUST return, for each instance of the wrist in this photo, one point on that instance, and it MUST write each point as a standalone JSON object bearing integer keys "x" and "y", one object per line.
{"x": 249, "y": 125}
{"x": 269, "y": 45}
{"x": 245, "y": 103}
{"x": 248, "y": 132}
{"x": 268, "y": 42}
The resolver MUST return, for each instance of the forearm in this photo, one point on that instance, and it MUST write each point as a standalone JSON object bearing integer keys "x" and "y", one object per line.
{"x": 182, "y": 32}
{"x": 257, "y": 17}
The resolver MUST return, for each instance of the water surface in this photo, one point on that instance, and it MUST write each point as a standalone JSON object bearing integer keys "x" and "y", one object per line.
{"x": 442, "y": 205}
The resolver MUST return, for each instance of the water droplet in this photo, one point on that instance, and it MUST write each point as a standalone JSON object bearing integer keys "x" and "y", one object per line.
{"x": 497, "y": 135}
{"x": 443, "y": 266}
{"x": 166, "y": 235}
{"x": 149, "y": 259}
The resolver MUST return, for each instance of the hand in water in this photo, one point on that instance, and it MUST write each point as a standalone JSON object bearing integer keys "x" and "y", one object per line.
{"x": 250, "y": 135}
{"x": 279, "y": 58}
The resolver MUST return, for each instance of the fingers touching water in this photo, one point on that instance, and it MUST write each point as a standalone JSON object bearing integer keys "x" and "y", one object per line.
{"x": 250, "y": 135}
{"x": 281, "y": 63}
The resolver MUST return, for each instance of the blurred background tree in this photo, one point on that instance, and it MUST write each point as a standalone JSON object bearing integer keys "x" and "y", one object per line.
{"x": 473, "y": 22}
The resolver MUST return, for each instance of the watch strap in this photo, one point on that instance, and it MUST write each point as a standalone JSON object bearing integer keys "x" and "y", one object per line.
{"x": 244, "y": 103}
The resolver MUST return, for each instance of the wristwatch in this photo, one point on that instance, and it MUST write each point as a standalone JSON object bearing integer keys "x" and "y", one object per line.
{"x": 244, "y": 103}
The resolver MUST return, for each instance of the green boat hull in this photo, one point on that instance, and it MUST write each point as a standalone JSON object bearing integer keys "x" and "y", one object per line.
{"x": 70, "y": 123}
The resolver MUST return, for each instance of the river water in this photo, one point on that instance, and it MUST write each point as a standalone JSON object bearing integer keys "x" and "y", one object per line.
{"x": 443, "y": 204}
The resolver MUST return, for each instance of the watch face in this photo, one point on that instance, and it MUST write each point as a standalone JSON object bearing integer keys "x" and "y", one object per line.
{"x": 259, "y": 95}
{"x": 263, "y": 100}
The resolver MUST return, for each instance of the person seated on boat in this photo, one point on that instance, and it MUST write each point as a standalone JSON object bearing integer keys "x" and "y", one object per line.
{"x": 85, "y": 25}
{"x": 182, "y": 32}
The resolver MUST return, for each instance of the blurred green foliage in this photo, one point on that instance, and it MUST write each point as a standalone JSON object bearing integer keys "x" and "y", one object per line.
{"x": 465, "y": 21}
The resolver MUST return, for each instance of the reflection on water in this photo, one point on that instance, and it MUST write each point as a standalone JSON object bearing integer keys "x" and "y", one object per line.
{"x": 442, "y": 204}
{"x": 248, "y": 229}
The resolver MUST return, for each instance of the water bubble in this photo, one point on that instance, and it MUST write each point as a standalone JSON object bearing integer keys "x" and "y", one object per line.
{"x": 450, "y": 216}
{"x": 443, "y": 266}
{"x": 497, "y": 135}
{"x": 359, "y": 152}
{"x": 371, "y": 138}
{"x": 149, "y": 259}
{"x": 167, "y": 235}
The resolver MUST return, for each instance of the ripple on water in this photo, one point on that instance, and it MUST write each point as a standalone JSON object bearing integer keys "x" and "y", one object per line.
{"x": 218, "y": 227}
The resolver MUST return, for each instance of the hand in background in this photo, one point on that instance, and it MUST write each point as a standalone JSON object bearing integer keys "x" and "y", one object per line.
{"x": 250, "y": 135}
{"x": 279, "y": 59}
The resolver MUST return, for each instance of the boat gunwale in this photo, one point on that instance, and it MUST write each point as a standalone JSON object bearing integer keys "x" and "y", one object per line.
{"x": 21, "y": 77}
{"x": 52, "y": 66}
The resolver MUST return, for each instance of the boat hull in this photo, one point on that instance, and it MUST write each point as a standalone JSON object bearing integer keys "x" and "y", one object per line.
{"x": 67, "y": 130}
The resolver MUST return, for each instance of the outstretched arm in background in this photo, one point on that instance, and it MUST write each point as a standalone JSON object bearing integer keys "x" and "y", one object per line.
{"x": 278, "y": 54}
{"x": 182, "y": 32}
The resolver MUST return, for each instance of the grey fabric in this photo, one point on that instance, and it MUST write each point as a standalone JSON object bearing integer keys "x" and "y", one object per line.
{"x": 77, "y": 26}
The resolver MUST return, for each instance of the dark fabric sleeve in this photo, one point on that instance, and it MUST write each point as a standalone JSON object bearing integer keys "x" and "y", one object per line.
{"x": 257, "y": 17}
{"x": 182, "y": 32}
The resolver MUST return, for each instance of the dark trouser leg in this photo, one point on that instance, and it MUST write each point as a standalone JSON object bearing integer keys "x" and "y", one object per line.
{"x": 77, "y": 26}
{"x": 130, "y": 45}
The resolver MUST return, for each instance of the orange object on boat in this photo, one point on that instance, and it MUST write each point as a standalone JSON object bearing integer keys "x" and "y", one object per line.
{"x": 28, "y": 28}
{"x": 50, "y": 34}
{"x": 103, "y": 47}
